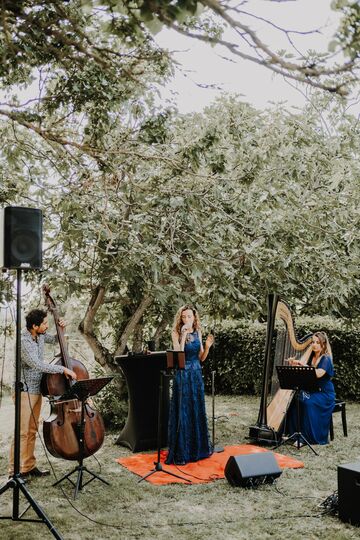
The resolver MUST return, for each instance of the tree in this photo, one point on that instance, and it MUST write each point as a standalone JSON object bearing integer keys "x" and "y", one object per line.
{"x": 87, "y": 78}
{"x": 145, "y": 208}
{"x": 235, "y": 27}
{"x": 241, "y": 203}
{"x": 87, "y": 56}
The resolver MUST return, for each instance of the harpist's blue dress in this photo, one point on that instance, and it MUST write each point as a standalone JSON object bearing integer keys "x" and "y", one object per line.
{"x": 316, "y": 407}
{"x": 188, "y": 436}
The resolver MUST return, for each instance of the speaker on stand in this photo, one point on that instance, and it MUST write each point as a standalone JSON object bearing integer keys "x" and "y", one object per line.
{"x": 21, "y": 249}
{"x": 20, "y": 238}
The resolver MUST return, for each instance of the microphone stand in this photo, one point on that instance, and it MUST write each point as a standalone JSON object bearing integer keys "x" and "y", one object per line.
{"x": 16, "y": 482}
{"x": 158, "y": 465}
{"x": 216, "y": 449}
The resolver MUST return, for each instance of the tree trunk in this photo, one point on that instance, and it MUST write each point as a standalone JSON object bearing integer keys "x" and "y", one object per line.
{"x": 102, "y": 355}
{"x": 162, "y": 326}
{"x": 132, "y": 324}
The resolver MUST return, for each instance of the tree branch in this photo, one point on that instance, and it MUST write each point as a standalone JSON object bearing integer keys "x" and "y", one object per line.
{"x": 132, "y": 323}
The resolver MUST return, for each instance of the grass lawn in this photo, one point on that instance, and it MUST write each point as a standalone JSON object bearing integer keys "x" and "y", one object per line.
{"x": 214, "y": 511}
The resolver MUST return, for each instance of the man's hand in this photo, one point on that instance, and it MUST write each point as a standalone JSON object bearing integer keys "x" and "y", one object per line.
{"x": 62, "y": 323}
{"x": 69, "y": 373}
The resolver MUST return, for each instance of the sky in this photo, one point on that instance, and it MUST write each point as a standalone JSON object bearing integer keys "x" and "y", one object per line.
{"x": 202, "y": 64}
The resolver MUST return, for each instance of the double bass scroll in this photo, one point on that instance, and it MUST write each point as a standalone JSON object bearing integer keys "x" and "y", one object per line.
{"x": 281, "y": 343}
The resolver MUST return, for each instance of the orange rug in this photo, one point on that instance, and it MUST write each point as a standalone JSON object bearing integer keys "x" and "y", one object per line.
{"x": 201, "y": 471}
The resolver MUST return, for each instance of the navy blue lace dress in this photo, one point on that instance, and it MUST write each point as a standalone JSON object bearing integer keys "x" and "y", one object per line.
{"x": 188, "y": 436}
{"x": 316, "y": 407}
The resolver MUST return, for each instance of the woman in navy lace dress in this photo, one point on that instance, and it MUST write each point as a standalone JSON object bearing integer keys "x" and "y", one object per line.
{"x": 188, "y": 437}
{"x": 316, "y": 407}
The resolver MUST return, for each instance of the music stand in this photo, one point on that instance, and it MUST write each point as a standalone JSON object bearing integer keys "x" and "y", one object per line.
{"x": 81, "y": 391}
{"x": 172, "y": 360}
{"x": 297, "y": 378}
{"x": 175, "y": 359}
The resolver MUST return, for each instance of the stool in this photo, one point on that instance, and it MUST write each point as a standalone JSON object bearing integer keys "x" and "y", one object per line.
{"x": 340, "y": 406}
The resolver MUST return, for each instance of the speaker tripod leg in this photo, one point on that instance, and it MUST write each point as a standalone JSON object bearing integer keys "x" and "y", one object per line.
{"x": 18, "y": 484}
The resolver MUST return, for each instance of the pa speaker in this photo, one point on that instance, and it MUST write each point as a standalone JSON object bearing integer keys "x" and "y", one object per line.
{"x": 349, "y": 492}
{"x": 21, "y": 237}
{"x": 250, "y": 470}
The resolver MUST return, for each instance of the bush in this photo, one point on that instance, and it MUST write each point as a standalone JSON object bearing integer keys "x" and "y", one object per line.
{"x": 238, "y": 356}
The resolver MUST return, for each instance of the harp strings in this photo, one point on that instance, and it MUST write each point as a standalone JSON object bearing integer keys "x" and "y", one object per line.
{"x": 283, "y": 349}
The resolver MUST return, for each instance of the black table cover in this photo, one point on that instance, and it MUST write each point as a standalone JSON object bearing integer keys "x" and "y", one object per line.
{"x": 142, "y": 374}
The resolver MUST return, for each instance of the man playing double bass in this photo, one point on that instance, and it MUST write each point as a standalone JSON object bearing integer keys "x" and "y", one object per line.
{"x": 33, "y": 339}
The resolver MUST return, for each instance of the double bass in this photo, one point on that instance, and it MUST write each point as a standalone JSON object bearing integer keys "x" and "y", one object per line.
{"x": 61, "y": 430}
{"x": 281, "y": 344}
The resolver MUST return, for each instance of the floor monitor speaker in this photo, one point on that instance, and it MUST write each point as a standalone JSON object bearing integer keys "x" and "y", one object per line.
{"x": 251, "y": 470}
{"x": 349, "y": 492}
{"x": 20, "y": 238}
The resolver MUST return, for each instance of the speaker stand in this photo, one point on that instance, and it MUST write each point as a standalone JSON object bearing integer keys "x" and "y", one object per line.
{"x": 16, "y": 482}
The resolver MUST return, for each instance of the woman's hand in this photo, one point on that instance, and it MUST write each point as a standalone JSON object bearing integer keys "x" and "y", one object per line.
{"x": 185, "y": 331}
{"x": 293, "y": 362}
{"x": 209, "y": 341}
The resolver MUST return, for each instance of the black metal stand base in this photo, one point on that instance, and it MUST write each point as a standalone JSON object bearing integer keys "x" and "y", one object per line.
{"x": 81, "y": 391}
{"x": 158, "y": 467}
{"x": 298, "y": 378}
{"x": 79, "y": 484}
{"x": 17, "y": 483}
{"x": 298, "y": 438}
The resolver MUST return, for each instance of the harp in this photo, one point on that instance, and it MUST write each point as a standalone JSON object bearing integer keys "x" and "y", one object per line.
{"x": 281, "y": 343}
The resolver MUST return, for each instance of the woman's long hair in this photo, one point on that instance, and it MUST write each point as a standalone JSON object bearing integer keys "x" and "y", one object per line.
{"x": 325, "y": 348}
{"x": 178, "y": 321}
{"x": 325, "y": 344}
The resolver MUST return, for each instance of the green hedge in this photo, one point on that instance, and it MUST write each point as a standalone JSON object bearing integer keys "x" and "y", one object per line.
{"x": 238, "y": 356}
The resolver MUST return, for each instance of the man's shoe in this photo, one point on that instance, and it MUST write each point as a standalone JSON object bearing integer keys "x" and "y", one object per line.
{"x": 21, "y": 475}
{"x": 35, "y": 472}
